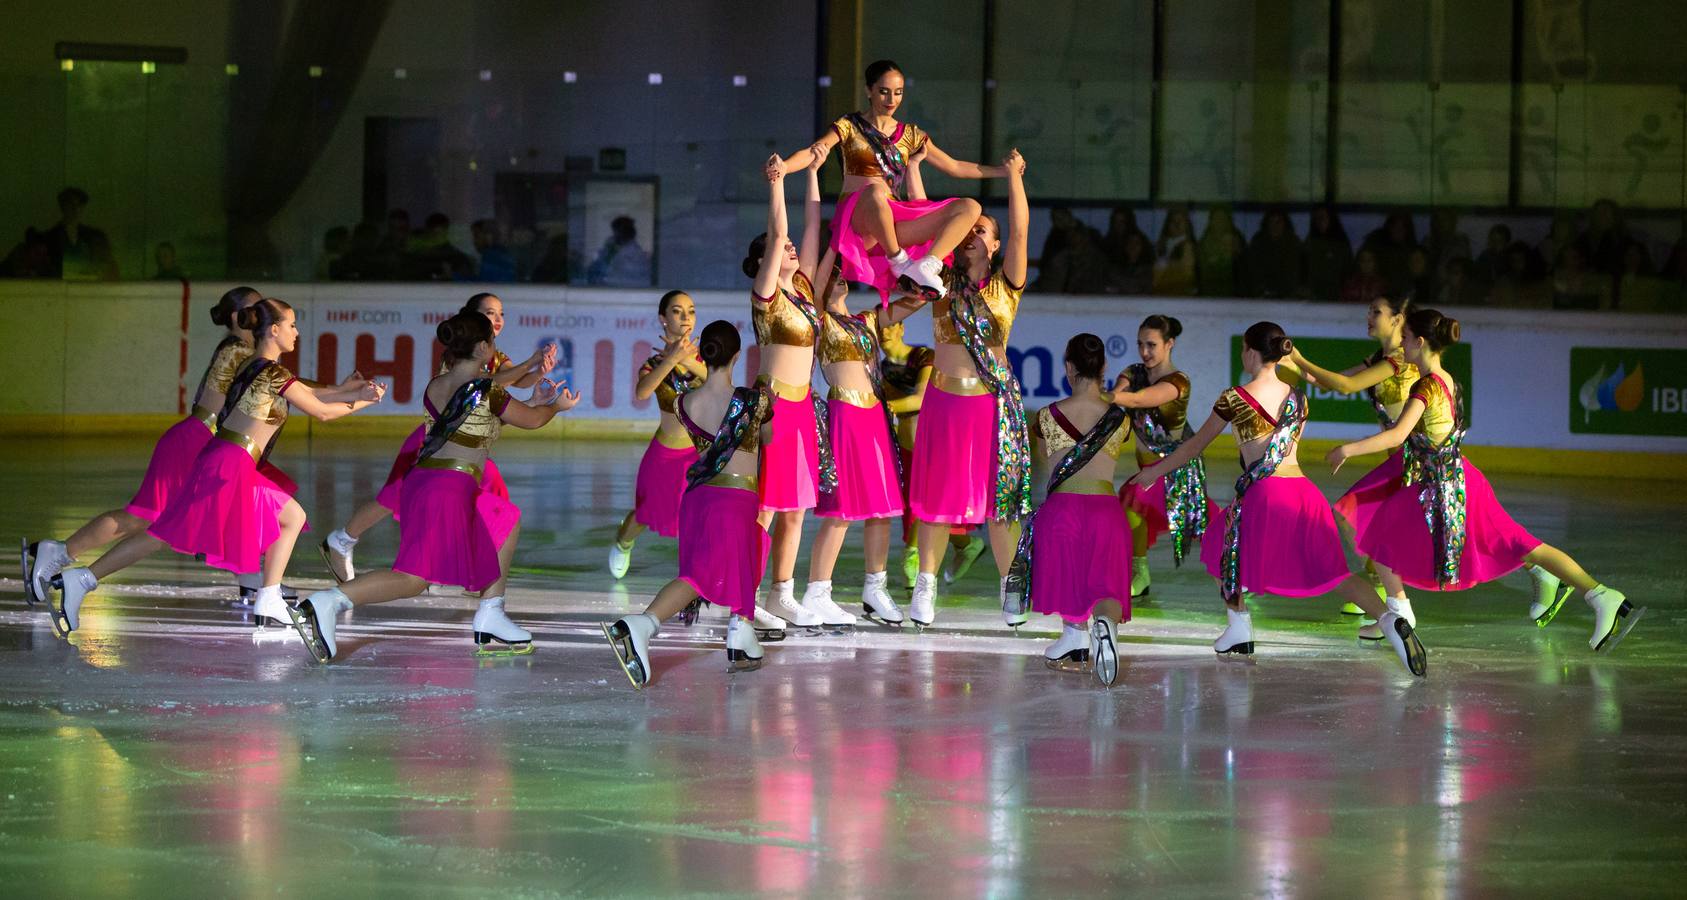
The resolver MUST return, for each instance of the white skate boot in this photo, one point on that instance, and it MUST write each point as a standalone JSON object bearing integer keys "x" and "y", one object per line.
{"x": 1613, "y": 617}
{"x": 1401, "y": 607}
{"x": 1404, "y": 641}
{"x": 620, "y": 558}
{"x": 1238, "y": 636}
{"x": 743, "y": 652}
{"x": 923, "y": 276}
{"x": 269, "y": 611}
{"x": 1071, "y": 651}
{"x": 492, "y": 626}
{"x": 73, "y": 585}
{"x": 769, "y": 627}
{"x": 336, "y": 550}
{"x": 876, "y": 603}
{"x": 817, "y": 599}
{"x": 630, "y": 637}
{"x": 783, "y": 603}
{"x": 922, "y": 609}
{"x": 1104, "y": 650}
{"x": 315, "y": 620}
{"x": 41, "y": 561}
{"x": 1014, "y": 610}
{"x": 1550, "y": 594}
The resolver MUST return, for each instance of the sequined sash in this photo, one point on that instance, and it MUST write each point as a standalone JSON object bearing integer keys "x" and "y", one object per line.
{"x": 463, "y": 402}
{"x": 237, "y": 388}
{"x": 1438, "y": 473}
{"x": 1289, "y": 423}
{"x": 885, "y": 151}
{"x": 1186, "y": 486}
{"x": 749, "y": 407}
{"x": 1013, "y": 439}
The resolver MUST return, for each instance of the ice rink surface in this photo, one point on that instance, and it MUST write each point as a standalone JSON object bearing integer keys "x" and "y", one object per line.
{"x": 163, "y": 751}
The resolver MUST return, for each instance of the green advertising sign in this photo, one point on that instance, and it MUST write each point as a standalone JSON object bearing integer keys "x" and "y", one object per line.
{"x": 1628, "y": 390}
{"x": 1341, "y": 354}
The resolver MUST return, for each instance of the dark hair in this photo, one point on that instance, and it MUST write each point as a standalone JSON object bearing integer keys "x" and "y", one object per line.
{"x": 1087, "y": 354}
{"x": 258, "y": 317}
{"x": 75, "y": 195}
{"x": 720, "y": 344}
{"x": 229, "y": 303}
{"x": 1398, "y": 301}
{"x": 1268, "y": 339}
{"x": 473, "y": 306}
{"x": 879, "y": 69}
{"x": 462, "y": 332}
{"x": 1438, "y": 330}
{"x": 752, "y": 259}
{"x": 1168, "y": 327}
{"x": 667, "y": 300}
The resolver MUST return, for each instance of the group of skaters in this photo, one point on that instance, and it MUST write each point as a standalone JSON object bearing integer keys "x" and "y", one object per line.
{"x": 936, "y": 438}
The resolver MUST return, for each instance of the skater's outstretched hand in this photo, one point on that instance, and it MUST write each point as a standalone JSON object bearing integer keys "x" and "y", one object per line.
{"x": 372, "y": 392}
{"x": 678, "y": 348}
{"x": 1014, "y": 164}
{"x": 1336, "y": 457}
{"x": 817, "y": 156}
{"x": 774, "y": 169}
{"x": 565, "y": 400}
{"x": 547, "y": 358}
{"x": 544, "y": 392}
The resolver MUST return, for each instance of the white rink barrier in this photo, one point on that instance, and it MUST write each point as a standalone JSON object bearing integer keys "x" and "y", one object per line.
{"x": 82, "y": 353}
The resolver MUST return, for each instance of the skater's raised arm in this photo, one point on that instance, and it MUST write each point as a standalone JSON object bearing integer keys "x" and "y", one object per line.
{"x": 801, "y": 159}
{"x": 955, "y": 168}
{"x": 914, "y": 181}
{"x": 767, "y": 277}
{"x": 1014, "y": 259}
{"x": 1349, "y": 382}
{"x": 809, "y": 255}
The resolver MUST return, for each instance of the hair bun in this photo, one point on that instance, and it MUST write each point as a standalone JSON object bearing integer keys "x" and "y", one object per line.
{"x": 1173, "y": 327}
{"x": 445, "y": 332}
{"x": 751, "y": 266}
{"x": 220, "y": 315}
{"x": 1448, "y": 330}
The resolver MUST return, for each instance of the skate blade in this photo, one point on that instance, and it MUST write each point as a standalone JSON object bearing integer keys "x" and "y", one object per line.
{"x": 312, "y": 639}
{"x": 1246, "y": 648}
{"x": 274, "y": 635}
{"x": 61, "y": 622}
{"x": 910, "y": 286}
{"x": 328, "y": 563}
{"x": 1106, "y": 659}
{"x": 503, "y": 651}
{"x": 1414, "y": 656}
{"x": 624, "y": 654}
{"x": 739, "y": 661}
{"x": 876, "y": 619}
{"x": 1551, "y": 612}
{"x": 839, "y": 629}
{"x": 1077, "y": 662}
{"x": 26, "y": 555}
{"x": 769, "y": 635}
{"x": 1627, "y": 622}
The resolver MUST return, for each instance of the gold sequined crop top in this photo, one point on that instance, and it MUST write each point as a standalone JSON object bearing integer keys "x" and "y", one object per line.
{"x": 666, "y": 393}
{"x": 1060, "y": 435}
{"x": 782, "y": 319}
{"x": 1249, "y": 420}
{"x": 701, "y": 439}
{"x": 1001, "y": 299}
{"x": 262, "y": 399}
{"x": 229, "y": 359}
{"x": 1173, "y": 414}
{"x": 857, "y": 154}
{"x": 838, "y": 344}
{"x": 1392, "y": 391}
{"x": 480, "y": 429}
{"x": 1439, "y": 416}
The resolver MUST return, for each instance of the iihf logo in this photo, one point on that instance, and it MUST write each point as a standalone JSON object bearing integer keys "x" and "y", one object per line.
{"x": 1617, "y": 390}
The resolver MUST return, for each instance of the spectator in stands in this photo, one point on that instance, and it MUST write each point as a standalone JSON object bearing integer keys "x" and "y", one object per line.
{"x": 1459, "y": 286}
{"x": 1562, "y": 235}
{"x": 1576, "y": 286}
{"x": 1445, "y": 241}
{"x": 1606, "y": 239}
{"x": 364, "y": 260}
{"x": 621, "y": 262}
{"x": 31, "y": 258}
{"x": 496, "y": 263}
{"x": 79, "y": 252}
{"x": 1134, "y": 273}
{"x": 1419, "y": 280}
{"x": 1393, "y": 244}
{"x": 336, "y": 242}
{"x": 1062, "y": 224}
{"x": 1219, "y": 262}
{"x": 1326, "y": 255}
{"x": 1079, "y": 267}
{"x": 1366, "y": 283}
{"x": 1635, "y": 288}
{"x": 1490, "y": 266}
{"x": 1121, "y": 225}
{"x": 430, "y": 255}
{"x": 1523, "y": 284}
{"x": 1273, "y": 261}
{"x": 169, "y": 268}
{"x": 1175, "y": 255}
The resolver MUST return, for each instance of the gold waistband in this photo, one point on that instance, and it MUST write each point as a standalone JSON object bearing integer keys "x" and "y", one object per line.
{"x": 863, "y": 399}
{"x": 734, "y": 480}
{"x": 960, "y": 387}
{"x": 783, "y": 389}
{"x": 208, "y": 416}
{"x": 243, "y": 441}
{"x": 455, "y": 465}
{"x": 1288, "y": 470}
{"x": 1086, "y": 486}
{"x": 680, "y": 441}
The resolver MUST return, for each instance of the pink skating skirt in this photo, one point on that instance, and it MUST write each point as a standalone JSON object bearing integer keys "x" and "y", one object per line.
{"x": 457, "y": 527}
{"x": 871, "y": 266}
{"x": 722, "y": 549}
{"x": 1396, "y": 535}
{"x": 660, "y": 485}
{"x": 1081, "y": 554}
{"x": 1150, "y": 503}
{"x": 392, "y": 491}
{"x": 171, "y": 464}
{"x": 954, "y": 475}
{"x": 227, "y": 510}
{"x": 1290, "y": 545}
{"x": 865, "y": 456}
{"x": 1362, "y": 500}
{"x": 790, "y": 462}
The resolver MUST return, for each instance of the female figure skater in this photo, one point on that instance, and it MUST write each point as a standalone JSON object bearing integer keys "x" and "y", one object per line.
{"x": 722, "y": 546}
{"x": 1070, "y": 561}
{"x": 674, "y": 370}
{"x": 972, "y": 455}
{"x": 232, "y": 510}
{"x": 796, "y": 462}
{"x": 884, "y": 240}
{"x": 1279, "y": 536}
{"x": 337, "y": 548}
{"x": 171, "y": 463}
{"x": 461, "y": 532}
{"x": 1439, "y": 526}
{"x": 1158, "y": 396}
